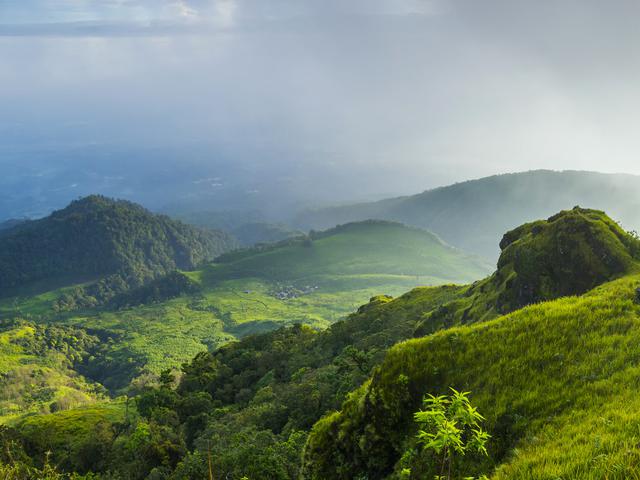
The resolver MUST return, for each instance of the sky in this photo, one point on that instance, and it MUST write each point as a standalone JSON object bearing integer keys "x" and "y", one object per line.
{"x": 314, "y": 101}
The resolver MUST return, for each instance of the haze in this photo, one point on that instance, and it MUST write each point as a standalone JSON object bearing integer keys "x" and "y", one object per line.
{"x": 283, "y": 103}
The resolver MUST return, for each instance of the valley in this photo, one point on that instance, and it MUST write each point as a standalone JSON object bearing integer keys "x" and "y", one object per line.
{"x": 312, "y": 280}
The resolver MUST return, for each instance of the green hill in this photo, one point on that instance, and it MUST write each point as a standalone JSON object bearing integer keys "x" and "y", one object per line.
{"x": 550, "y": 378}
{"x": 357, "y": 249}
{"x": 556, "y": 382}
{"x": 568, "y": 254}
{"x": 473, "y": 215}
{"x": 38, "y": 364}
{"x": 96, "y": 237}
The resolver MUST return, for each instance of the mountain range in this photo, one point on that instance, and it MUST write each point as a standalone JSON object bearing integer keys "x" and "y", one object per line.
{"x": 473, "y": 215}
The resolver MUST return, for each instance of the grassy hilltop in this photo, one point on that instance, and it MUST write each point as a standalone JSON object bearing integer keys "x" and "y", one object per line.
{"x": 556, "y": 381}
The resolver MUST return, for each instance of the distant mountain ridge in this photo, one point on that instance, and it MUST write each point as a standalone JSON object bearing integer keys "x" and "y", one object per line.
{"x": 261, "y": 232}
{"x": 248, "y": 227}
{"x": 473, "y": 215}
{"x": 96, "y": 237}
{"x": 11, "y": 223}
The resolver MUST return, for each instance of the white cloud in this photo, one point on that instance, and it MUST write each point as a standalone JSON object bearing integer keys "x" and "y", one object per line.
{"x": 420, "y": 92}
{"x": 170, "y": 17}
{"x": 225, "y": 13}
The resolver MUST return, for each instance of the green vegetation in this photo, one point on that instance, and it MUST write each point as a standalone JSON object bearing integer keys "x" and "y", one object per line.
{"x": 556, "y": 381}
{"x": 365, "y": 253}
{"x": 21, "y": 471}
{"x": 314, "y": 280}
{"x": 568, "y": 254}
{"x": 449, "y": 426}
{"x": 118, "y": 242}
{"x": 87, "y": 439}
{"x": 39, "y": 369}
{"x": 167, "y": 287}
{"x": 64, "y": 431}
{"x": 548, "y": 345}
{"x": 249, "y": 405}
{"x": 555, "y": 352}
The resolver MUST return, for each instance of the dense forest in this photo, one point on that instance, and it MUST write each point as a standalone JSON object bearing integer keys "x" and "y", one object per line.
{"x": 114, "y": 243}
{"x": 297, "y": 402}
{"x": 9, "y": 224}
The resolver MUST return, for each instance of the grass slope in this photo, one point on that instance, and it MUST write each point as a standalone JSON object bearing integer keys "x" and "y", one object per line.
{"x": 358, "y": 249}
{"x": 282, "y": 382}
{"x": 556, "y": 380}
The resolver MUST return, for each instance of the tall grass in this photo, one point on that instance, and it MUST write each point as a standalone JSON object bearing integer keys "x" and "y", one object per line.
{"x": 557, "y": 381}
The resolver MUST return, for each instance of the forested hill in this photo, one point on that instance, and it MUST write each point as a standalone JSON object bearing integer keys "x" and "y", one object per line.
{"x": 473, "y": 215}
{"x": 95, "y": 237}
{"x": 9, "y": 224}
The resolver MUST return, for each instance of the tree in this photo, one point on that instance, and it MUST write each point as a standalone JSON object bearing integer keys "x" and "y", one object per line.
{"x": 450, "y": 426}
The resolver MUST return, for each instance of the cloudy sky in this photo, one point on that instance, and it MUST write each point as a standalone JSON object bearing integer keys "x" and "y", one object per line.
{"x": 358, "y": 98}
